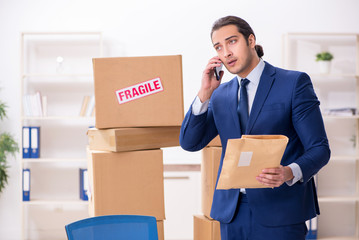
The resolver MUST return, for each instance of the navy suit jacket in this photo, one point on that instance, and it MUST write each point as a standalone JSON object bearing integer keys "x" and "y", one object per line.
{"x": 285, "y": 103}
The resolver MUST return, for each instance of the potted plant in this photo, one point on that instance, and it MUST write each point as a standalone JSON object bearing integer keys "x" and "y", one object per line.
{"x": 7, "y": 146}
{"x": 324, "y": 59}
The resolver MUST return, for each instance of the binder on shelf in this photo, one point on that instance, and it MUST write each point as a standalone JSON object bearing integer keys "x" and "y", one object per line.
{"x": 83, "y": 184}
{"x": 26, "y": 142}
{"x": 26, "y": 184}
{"x": 35, "y": 142}
{"x": 312, "y": 229}
{"x": 312, "y": 223}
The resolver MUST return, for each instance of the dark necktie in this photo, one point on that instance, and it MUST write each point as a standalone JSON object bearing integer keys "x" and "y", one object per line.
{"x": 242, "y": 109}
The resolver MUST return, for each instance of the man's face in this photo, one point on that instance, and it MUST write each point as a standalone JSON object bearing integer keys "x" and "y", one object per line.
{"x": 233, "y": 50}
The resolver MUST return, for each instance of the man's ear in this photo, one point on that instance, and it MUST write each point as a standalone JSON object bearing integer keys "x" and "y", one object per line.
{"x": 251, "y": 41}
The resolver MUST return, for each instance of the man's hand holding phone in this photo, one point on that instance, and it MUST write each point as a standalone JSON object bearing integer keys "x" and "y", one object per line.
{"x": 211, "y": 78}
{"x": 217, "y": 71}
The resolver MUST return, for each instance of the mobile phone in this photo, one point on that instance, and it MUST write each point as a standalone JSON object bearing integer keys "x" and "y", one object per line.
{"x": 217, "y": 70}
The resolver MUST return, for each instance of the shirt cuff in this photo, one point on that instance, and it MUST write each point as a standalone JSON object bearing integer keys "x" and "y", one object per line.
{"x": 297, "y": 173}
{"x": 198, "y": 107}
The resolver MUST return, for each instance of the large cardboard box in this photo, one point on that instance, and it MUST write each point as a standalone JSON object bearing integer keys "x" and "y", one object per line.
{"x": 211, "y": 157}
{"x": 138, "y": 91}
{"x": 126, "y": 183}
{"x": 206, "y": 229}
{"x": 129, "y": 139}
{"x": 216, "y": 142}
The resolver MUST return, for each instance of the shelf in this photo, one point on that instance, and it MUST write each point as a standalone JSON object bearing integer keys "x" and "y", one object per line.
{"x": 338, "y": 199}
{"x": 330, "y": 38}
{"x": 340, "y": 117}
{"x": 35, "y": 75}
{"x": 343, "y": 158}
{"x": 339, "y": 238}
{"x": 57, "y": 65}
{"x": 309, "y": 34}
{"x": 59, "y": 118}
{"x": 61, "y": 33}
{"x": 55, "y": 202}
{"x": 332, "y": 76}
{"x": 52, "y": 160}
{"x": 59, "y": 79}
{"x": 338, "y": 88}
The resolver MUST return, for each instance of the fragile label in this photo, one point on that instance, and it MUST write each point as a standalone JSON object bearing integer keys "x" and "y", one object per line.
{"x": 245, "y": 159}
{"x": 139, "y": 90}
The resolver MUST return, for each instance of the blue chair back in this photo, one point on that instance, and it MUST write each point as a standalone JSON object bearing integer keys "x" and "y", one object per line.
{"x": 113, "y": 227}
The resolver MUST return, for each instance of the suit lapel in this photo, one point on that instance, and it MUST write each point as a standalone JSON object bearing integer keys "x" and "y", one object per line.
{"x": 232, "y": 96}
{"x": 263, "y": 89}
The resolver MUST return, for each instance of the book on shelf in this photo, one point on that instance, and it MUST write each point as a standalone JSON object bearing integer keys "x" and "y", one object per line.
{"x": 91, "y": 106}
{"x": 44, "y": 106}
{"x": 30, "y": 142}
{"x": 340, "y": 111}
{"x": 26, "y": 106}
{"x": 88, "y": 106}
{"x": 38, "y": 99}
{"x": 84, "y": 105}
{"x": 35, "y": 105}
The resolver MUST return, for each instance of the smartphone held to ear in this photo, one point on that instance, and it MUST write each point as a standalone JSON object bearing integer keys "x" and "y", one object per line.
{"x": 217, "y": 71}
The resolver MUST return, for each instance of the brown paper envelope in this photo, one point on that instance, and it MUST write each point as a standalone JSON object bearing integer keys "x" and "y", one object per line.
{"x": 245, "y": 159}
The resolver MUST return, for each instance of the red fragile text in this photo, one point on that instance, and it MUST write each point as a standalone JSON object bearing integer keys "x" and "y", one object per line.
{"x": 139, "y": 90}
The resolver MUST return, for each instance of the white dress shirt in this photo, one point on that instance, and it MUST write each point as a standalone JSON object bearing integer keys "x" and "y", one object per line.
{"x": 254, "y": 77}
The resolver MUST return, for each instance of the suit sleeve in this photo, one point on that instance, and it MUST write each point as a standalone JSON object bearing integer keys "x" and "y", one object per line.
{"x": 197, "y": 130}
{"x": 308, "y": 123}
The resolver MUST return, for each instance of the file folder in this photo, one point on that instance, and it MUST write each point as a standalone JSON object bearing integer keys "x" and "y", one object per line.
{"x": 26, "y": 142}
{"x": 26, "y": 184}
{"x": 35, "y": 142}
{"x": 83, "y": 184}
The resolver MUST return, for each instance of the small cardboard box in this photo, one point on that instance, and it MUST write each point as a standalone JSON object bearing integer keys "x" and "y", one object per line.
{"x": 126, "y": 183}
{"x": 216, "y": 142}
{"x": 211, "y": 157}
{"x": 206, "y": 229}
{"x": 138, "y": 91}
{"x": 129, "y": 139}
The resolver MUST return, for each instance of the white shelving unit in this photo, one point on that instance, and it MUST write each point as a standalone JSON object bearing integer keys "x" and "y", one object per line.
{"x": 338, "y": 182}
{"x": 59, "y": 66}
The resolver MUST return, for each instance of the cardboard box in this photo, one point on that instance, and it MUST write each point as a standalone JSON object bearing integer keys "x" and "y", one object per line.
{"x": 138, "y": 91}
{"x": 160, "y": 230}
{"x": 129, "y": 139}
{"x": 206, "y": 229}
{"x": 126, "y": 183}
{"x": 211, "y": 157}
{"x": 216, "y": 142}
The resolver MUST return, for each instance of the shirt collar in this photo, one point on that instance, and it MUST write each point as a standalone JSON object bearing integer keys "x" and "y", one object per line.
{"x": 255, "y": 75}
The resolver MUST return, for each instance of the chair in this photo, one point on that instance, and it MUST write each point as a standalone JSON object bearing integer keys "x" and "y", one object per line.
{"x": 113, "y": 227}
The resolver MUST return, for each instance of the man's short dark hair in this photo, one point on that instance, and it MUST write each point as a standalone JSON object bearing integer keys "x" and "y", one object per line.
{"x": 243, "y": 27}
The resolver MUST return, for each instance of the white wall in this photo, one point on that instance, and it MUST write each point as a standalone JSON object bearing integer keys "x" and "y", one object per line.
{"x": 144, "y": 27}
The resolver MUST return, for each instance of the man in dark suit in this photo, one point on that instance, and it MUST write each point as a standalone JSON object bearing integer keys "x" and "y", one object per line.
{"x": 277, "y": 101}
